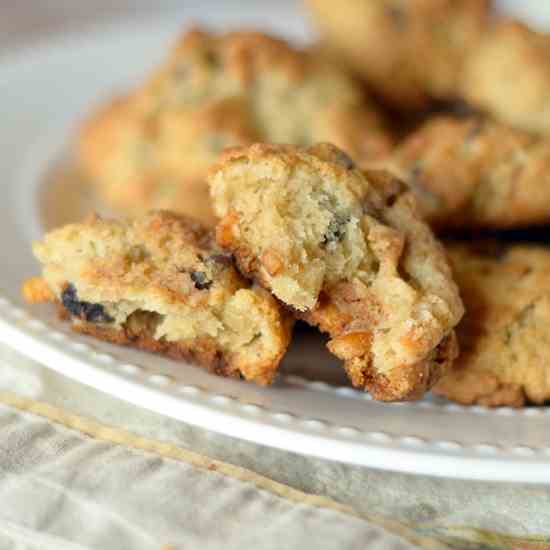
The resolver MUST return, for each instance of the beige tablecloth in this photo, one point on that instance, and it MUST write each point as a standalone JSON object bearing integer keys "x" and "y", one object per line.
{"x": 71, "y": 475}
{"x": 68, "y": 483}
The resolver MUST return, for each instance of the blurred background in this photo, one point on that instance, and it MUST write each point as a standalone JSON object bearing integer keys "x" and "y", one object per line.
{"x": 24, "y": 19}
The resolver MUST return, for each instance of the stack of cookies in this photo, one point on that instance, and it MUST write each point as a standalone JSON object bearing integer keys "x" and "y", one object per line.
{"x": 263, "y": 184}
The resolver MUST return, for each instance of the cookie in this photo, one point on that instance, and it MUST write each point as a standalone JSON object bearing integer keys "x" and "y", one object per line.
{"x": 128, "y": 162}
{"x": 409, "y": 51}
{"x": 476, "y": 173}
{"x": 152, "y": 149}
{"x": 504, "y": 340}
{"x": 347, "y": 252}
{"x": 508, "y": 76}
{"x": 160, "y": 283}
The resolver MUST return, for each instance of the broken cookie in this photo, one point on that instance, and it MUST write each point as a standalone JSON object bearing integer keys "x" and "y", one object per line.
{"x": 160, "y": 283}
{"x": 347, "y": 252}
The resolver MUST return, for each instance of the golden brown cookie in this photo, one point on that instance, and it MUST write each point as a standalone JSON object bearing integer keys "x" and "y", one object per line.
{"x": 347, "y": 251}
{"x": 159, "y": 282}
{"x": 508, "y": 76}
{"x": 408, "y": 50}
{"x": 504, "y": 337}
{"x": 152, "y": 148}
{"x": 475, "y": 173}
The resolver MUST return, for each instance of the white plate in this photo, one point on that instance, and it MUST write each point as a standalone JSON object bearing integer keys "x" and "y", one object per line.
{"x": 44, "y": 91}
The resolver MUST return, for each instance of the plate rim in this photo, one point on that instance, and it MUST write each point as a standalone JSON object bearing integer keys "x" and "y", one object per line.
{"x": 406, "y": 454}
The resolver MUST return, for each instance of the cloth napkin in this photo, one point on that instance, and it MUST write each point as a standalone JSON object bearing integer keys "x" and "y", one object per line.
{"x": 68, "y": 482}
{"x": 80, "y": 469}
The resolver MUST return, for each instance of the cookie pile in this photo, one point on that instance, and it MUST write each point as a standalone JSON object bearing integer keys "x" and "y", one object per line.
{"x": 264, "y": 184}
{"x": 153, "y": 148}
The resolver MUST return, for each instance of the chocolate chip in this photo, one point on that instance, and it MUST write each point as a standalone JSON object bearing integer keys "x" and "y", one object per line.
{"x": 93, "y": 313}
{"x": 336, "y": 230}
{"x": 202, "y": 282}
{"x": 345, "y": 160}
{"x": 70, "y": 300}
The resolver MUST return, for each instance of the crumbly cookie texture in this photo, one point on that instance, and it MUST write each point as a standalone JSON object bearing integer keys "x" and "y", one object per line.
{"x": 508, "y": 76}
{"x": 504, "y": 339}
{"x": 160, "y": 283}
{"x": 348, "y": 253}
{"x": 409, "y": 51}
{"x": 152, "y": 149}
{"x": 476, "y": 173}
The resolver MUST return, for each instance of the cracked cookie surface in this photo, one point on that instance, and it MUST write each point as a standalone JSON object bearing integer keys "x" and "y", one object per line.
{"x": 152, "y": 149}
{"x": 160, "y": 283}
{"x": 347, "y": 251}
{"x": 504, "y": 340}
{"x": 409, "y": 51}
{"x": 475, "y": 173}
